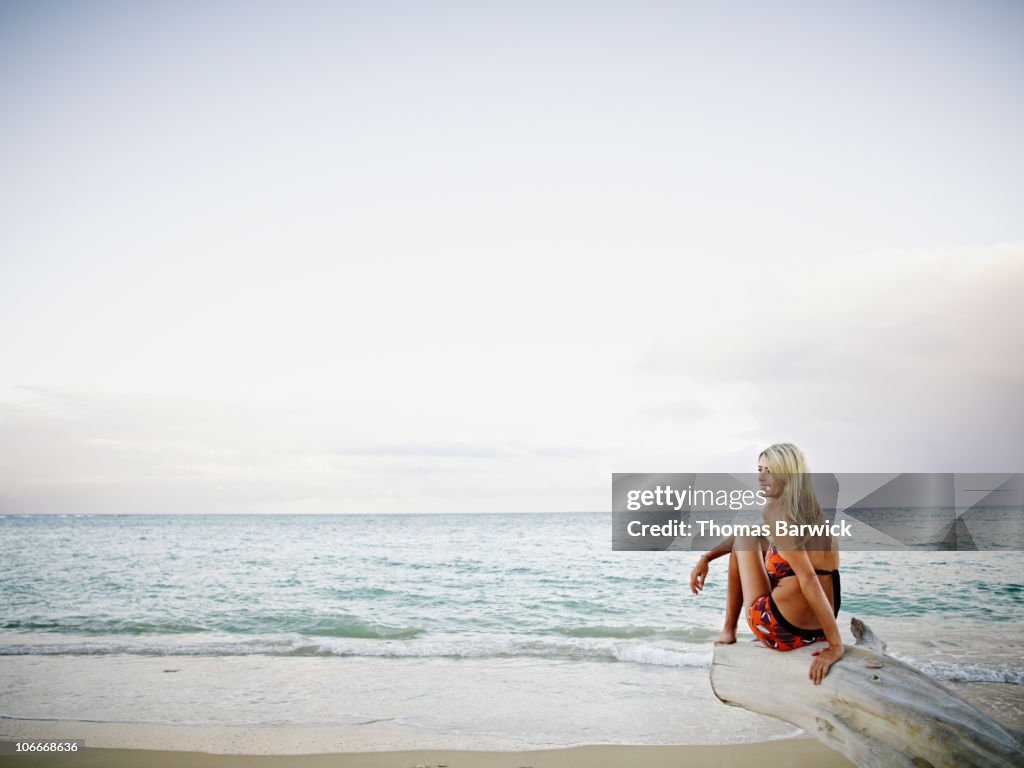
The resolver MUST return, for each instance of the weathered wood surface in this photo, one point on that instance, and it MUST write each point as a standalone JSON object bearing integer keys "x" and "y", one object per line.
{"x": 870, "y": 707}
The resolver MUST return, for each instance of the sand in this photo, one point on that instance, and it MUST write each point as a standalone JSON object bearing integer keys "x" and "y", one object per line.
{"x": 110, "y": 745}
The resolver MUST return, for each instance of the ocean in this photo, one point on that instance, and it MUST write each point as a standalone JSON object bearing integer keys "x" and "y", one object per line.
{"x": 504, "y": 629}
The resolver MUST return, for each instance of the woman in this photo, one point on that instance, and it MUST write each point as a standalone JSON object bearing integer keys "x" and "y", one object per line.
{"x": 783, "y": 613}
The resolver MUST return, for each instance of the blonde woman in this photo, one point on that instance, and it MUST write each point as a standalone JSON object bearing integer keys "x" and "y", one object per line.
{"x": 783, "y": 613}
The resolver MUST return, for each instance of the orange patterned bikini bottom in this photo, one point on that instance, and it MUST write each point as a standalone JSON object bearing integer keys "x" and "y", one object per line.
{"x": 772, "y": 629}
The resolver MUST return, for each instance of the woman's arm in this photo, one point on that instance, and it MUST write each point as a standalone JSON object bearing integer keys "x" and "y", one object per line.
{"x": 700, "y": 570}
{"x": 818, "y": 600}
{"x": 723, "y": 547}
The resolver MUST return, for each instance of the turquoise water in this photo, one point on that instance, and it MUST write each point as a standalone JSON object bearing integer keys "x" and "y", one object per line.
{"x": 453, "y": 586}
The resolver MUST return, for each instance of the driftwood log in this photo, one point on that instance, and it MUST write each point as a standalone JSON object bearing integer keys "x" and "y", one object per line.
{"x": 870, "y": 707}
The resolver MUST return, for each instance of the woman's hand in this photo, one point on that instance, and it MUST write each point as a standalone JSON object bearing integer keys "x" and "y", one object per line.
{"x": 698, "y": 574}
{"x": 825, "y": 658}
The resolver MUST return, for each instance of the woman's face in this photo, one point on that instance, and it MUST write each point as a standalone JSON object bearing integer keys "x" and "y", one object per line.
{"x": 764, "y": 478}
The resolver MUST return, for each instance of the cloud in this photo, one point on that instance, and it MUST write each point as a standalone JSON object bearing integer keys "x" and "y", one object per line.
{"x": 898, "y": 361}
{"x": 462, "y": 450}
{"x": 76, "y": 451}
{"x": 679, "y": 410}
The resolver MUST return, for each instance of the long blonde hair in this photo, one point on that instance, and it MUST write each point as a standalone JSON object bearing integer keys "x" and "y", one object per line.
{"x": 798, "y": 501}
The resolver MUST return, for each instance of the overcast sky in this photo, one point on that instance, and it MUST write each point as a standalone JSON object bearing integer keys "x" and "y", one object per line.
{"x": 413, "y": 257}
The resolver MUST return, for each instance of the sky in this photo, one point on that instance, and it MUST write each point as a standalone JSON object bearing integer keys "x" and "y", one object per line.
{"x": 476, "y": 257}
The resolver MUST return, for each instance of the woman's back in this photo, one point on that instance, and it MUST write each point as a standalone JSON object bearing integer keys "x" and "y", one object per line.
{"x": 786, "y": 591}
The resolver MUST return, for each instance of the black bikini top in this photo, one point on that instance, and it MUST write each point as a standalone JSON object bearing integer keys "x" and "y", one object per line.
{"x": 780, "y": 568}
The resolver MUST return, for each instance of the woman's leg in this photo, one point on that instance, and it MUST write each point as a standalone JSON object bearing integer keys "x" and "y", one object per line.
{"x": 733, "y": 603}
{"x": 748, "y": 580}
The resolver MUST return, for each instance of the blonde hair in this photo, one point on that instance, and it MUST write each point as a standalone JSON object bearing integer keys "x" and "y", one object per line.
{"x": 798, "y": 501}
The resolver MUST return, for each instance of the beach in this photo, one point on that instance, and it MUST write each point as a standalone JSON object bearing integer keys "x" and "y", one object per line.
{"x": 388, "y": 742}
{"x": 188, "y": 751}
{"x": 376, "y": 375}
{"x": 517, "y": 640}
{"x": 510, "y": 698}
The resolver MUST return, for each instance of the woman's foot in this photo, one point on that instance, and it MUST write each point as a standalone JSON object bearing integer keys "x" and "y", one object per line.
{"x": 728, "y": 637}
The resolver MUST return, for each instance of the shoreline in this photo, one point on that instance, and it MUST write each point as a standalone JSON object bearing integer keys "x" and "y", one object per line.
{"x": 499, "y": 713}
{"x": 282, "y": 739}
{"x": 372, "y": 704}
{"x": 119, "y": 745}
